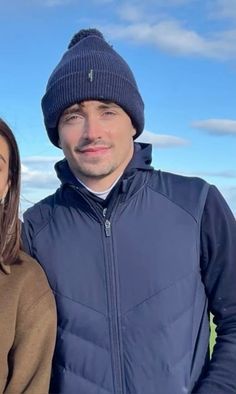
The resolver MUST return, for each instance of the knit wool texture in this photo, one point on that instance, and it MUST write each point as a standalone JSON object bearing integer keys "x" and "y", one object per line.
{"x": 91, "y": 70}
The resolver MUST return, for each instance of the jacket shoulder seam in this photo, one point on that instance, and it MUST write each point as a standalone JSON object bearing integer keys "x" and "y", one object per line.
{"x": 202, "y": 199}
{"x": 45, "y": 223}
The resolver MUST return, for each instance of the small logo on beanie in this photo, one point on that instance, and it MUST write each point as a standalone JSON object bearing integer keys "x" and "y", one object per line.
{"x": 90, "y": 75}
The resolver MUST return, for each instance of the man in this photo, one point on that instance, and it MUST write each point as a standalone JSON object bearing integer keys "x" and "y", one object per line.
{"x": 137, "y": 258}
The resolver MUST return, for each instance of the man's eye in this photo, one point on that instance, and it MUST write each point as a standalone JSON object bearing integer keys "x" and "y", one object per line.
{"x": 109, "y": 113}
{"x": 71, "y": 118}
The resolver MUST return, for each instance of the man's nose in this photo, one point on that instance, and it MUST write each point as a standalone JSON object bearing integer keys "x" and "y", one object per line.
{"x": 92, "y": 128}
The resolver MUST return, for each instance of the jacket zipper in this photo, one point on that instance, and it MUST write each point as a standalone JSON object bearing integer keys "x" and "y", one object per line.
{"x": 115, "y": 334}
{"x": 107, "y": 225}
{"x": 113, "y": 311}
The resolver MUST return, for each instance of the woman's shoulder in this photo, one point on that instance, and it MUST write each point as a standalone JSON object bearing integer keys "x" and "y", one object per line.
{"x": 29, "y": 264}
{"x": 25, "y": 291}
{"x": 28, "y": 278}
{"x": 28, "y": 267}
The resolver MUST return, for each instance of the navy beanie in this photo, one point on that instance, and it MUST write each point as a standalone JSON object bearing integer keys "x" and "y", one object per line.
{"x": 91, "y": 70}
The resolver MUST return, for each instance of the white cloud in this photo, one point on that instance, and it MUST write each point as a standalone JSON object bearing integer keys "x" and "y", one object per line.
{"x": 38, "y": 179}
{"x": 216, "y": 126}
{"x": 171, "y": 36}
{"x": 154, "y": 23}
{"x": 161, "y": 140}
{"x": 41, "y": 160}
{"x": 37, "y": 172}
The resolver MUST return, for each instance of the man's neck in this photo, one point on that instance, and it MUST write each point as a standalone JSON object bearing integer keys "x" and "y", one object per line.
{"x": 101, "y": 193}
{"x": 99, "y": 184}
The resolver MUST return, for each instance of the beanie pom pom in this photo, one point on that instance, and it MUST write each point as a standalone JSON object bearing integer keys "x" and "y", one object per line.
{"x": 83, "y": 34}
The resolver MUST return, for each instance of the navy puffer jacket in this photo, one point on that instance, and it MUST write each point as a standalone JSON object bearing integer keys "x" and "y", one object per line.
{"x": 134, "y": 283}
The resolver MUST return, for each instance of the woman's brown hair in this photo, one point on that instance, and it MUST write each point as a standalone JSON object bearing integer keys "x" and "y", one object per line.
{"x": 9, "y": 209}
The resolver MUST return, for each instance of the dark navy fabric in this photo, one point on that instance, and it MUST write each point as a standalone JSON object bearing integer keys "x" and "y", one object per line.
{"x": 134, "y": 284}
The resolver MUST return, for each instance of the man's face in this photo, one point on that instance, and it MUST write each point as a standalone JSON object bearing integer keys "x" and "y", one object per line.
{"x": 97, "y": 141}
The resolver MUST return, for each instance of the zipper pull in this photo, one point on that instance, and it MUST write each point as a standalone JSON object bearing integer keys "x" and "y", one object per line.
{"x": 107, "y": 228}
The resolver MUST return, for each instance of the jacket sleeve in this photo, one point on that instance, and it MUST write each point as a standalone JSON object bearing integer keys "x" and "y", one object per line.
{"x": 31, "y": 355}
{"x": 25, "y": 238}
{"x": 218, "y": 262}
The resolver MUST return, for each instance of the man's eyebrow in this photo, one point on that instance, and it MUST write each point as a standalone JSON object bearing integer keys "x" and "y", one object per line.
{"x": 79, "y": 107}
{"x": 108, "y": 105}
{"x": 3, "y": 158}
{"x": 71, "y": 110}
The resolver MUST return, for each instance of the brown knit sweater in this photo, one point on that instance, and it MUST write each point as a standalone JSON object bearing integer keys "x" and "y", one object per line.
{"x": 27, "y": 328}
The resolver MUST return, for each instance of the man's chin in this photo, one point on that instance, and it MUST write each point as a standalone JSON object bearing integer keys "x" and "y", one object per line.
{"x": 93, "y": 172}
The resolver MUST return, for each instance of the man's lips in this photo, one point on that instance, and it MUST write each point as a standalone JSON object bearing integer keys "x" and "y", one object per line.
{"x": 94, "y": 149}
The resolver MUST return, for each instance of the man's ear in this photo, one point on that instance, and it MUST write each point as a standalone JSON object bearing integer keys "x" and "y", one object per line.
{"x": 134, "y": 132}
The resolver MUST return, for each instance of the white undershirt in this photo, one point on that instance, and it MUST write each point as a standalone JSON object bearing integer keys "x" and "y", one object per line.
{"x": 103, "y": 195}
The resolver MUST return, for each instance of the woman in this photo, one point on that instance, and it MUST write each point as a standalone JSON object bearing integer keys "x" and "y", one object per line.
{"x": 27, "y": 309}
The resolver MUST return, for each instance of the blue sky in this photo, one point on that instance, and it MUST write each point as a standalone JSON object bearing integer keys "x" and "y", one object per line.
{"x": 183, "y": 54}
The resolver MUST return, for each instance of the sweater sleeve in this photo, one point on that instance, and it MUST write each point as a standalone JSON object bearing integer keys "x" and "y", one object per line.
{"x": 31, "y": 355}
{"x": 218, "y": 262}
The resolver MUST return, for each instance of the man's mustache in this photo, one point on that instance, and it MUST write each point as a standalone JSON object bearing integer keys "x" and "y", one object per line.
{"x": 88, "y": 145}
